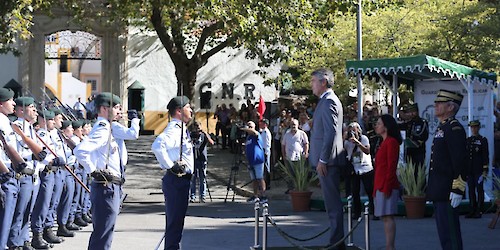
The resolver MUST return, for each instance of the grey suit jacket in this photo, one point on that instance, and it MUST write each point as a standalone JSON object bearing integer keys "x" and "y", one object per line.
{"x": 326, "y": 134}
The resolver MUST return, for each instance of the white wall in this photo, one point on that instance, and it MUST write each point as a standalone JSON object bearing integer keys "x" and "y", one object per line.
{"x": 8, "y": 68}
{"x": 149, "y": 63}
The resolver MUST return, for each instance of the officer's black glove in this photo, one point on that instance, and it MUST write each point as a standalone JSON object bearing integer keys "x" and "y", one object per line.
{"x": 40, "y": 156}
{"x": 179, "y": 168}
{"x": 4, "y": 177}
{"x": 103, "y": 174}
{"x": 21, "y": 166}
{"x": 2, "y": 198}
{"x": 132, "y": 113}
{"x": 58, "y": 162}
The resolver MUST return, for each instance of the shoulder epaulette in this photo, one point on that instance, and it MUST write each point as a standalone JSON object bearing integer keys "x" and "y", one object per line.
{"x": 177, "y": 125}
{"x": 102, "y": 124}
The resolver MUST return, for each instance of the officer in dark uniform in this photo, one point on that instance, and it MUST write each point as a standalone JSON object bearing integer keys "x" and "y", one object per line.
{"x": 477, "y": 168}
{"x": 417, "y": 132}
{"x": 174, "y": 151}
{"x": 448, "y": 162}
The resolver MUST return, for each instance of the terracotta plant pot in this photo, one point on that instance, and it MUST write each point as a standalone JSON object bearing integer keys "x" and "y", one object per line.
{"x": 300, "y": 200}
{"x": 415, "y": 207}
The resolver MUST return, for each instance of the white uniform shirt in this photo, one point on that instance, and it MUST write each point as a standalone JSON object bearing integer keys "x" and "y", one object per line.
{"x": 10, "y": 138}
{"x": 167, "y": 146}
{"x": 22, "y": 148}
{"x": 95, "y": 153}
{"x": 122, "y": 133}
{"x": 267, "y": 139}
{"x": 45, "y": 136}
{"x": 362, "y": 162}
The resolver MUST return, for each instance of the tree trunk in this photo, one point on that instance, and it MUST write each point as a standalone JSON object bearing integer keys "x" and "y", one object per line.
{"x": 186, "y": 79}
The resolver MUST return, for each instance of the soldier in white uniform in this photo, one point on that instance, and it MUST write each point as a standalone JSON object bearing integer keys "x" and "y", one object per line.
{"x": 9, "y": 184}
{"x": 175, "y": 184}
{"x": 99, "y": 155}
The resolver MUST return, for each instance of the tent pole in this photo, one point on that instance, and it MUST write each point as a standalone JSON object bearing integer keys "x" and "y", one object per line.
{"x": 394, "y": 95}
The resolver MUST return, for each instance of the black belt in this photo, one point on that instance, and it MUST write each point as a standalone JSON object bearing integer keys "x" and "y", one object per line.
{"x": 114, "y": 179}
{"x": 24, "y": 172}
{"x": 185, "y": 176}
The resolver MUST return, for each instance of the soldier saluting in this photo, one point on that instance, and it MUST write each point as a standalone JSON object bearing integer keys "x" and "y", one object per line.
{"x": 477, "y": 168}
{"x": 448, "y": 161}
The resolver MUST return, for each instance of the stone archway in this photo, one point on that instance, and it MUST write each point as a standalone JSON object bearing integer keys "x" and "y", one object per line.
{"x": 32, "y": 67}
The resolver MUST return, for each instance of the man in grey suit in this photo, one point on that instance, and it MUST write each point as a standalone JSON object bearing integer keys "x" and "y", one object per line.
{"x": 326, "y": 147}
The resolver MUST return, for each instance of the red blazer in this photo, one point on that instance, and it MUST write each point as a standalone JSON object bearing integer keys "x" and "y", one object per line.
{"x": 386, "y": 163}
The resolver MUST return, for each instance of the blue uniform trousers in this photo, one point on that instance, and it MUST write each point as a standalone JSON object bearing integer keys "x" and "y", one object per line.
{"x": 76, "y": 196}
{"x": 87, "y": 203}
{"x": 41, "y": 209}
{"x": 27, "y": 226}
{"x": 68, "y": 192}
{"x": 83, "y": 197}
{"x": 59, "y": 180}
{"x": 11, "y": 189}
{"x": 22, "y": 211}
{"x": 200, "y": 171}
{"x": 448, "y": 225}
{"x": 105, "y": 207}
{"x": 176, "y": 193}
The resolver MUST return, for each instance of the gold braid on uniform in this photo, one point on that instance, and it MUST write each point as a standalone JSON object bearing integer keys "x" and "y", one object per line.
{"x": 458, "y": 185}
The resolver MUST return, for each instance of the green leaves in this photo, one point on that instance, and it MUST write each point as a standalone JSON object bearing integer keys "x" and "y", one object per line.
{"x": 413, "y": 185}
{"x": 299, "y": 173}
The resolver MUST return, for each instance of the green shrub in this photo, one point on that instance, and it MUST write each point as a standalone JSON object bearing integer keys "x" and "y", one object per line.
{"x": 299, "y": 173}
{"x": 406, "y": 175}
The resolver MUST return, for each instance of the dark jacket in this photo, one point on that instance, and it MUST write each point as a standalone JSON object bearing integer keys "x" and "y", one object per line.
{"x": 478, "y": 156}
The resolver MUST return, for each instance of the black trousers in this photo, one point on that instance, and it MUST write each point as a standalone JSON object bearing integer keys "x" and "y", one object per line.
{"x": 367, "y": 179}
{"x": 477, "y": 201}
{"x": 448, "y": 225}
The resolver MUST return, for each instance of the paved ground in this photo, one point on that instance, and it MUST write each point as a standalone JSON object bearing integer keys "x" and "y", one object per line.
{"x": 218, "y": 225}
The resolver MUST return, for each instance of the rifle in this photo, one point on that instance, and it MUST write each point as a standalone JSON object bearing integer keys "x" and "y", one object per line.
{"x": 32, "y": 145}
{"x": 66, "y": 108}
{"x": 15, "y": 158}
{"x": 71, "y": 144}
{"x": 65, "y": 166}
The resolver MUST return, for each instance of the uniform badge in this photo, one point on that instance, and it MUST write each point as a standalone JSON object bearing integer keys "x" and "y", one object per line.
{"x": 102, "y": 124}
{"x": 439, "y": 134}
{"x": 42, "y": 134}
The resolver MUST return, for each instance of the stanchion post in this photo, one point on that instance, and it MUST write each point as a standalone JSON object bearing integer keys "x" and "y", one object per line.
{"x": 265, "y": 215}
{"x": 257, "y": 218}
{"x": 349, "y": 220}
{"x": 367, "y": 225}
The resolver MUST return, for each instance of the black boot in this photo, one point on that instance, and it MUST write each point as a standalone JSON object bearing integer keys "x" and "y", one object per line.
{"x": 38, "y": 242}
{"x": 71, "y": 226}
{"x": 63, "y": 231}
{"x": 87, "y": 218}
{"x": 81, "y": 222}
{"x": 50, "y": 237}
{"x": 27, "y": 246}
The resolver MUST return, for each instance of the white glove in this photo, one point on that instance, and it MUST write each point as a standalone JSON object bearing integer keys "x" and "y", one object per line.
{"x": 71, "y": 160}
{"x": 455, "y": 199}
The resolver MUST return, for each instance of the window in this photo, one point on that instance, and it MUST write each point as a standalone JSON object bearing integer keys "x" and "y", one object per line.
{"x": 93, "y": 83}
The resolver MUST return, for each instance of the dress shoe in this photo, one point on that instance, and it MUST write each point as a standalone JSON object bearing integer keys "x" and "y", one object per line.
{"x": 87, "y": 218}
{"x": 38, "y": 242}
{"x": 81, "y": 222}
{"x": 72, "y": 226}
{"x": 63, "y": 231}
{"x": 50, "y": 237}
{"x": 27, "y": 246}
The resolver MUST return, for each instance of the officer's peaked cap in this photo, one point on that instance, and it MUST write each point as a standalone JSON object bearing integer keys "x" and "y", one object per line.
{"x": 474, "y": 123}
{"x": 24, "y": 101}
{"x": 6, "y": 94}
{"x": 177, "y": 102}
{"x": 105, "y": 99}
{"x": 449, "y": 96}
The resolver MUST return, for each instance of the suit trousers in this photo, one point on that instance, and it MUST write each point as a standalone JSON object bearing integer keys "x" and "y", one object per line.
{"x": 11, "y": 189}
{"x": 22, "y": 212}
{"x": 330, "y": 185}
{"x": 41, "y": 208}
{"x": 105, "y": 207}
{"x": 176, "y": 193}
{"x": 448, "y": 225}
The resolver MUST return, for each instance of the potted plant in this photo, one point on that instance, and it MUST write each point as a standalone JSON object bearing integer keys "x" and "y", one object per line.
{"x": 496, "y": 193}
{"x": 414, "y": 189}
{"x": 301, "y": 175}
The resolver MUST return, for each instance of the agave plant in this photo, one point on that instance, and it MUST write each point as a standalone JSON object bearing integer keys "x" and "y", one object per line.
{"x": 406, "y": 175}
{"x": 299, "y": 173}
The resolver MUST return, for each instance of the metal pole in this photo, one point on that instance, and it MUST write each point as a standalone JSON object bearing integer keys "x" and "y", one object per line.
{"x": 360, "y": 57}
{"x": 367, "y": 225}
{"x": 265, "y": 215}
{"x": 395, "y": 95}
{"x": 256, "y": 231}
{"x": 349, "y": 220}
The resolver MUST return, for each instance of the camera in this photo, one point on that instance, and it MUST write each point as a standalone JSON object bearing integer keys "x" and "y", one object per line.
{"x": 352, "y": 134}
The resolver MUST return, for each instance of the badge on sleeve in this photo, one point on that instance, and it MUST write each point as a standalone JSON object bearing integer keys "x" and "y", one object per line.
{"x": 102, "y": 124}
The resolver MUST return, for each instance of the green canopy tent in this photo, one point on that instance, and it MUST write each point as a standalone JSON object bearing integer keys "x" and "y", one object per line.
{"x": 419, "y": 67}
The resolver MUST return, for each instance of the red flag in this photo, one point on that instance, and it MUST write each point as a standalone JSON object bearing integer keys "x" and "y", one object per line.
{"x": 262, "y": 107}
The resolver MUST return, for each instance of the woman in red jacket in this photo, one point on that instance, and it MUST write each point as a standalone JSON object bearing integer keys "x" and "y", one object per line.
{"x": 386, "y": 185}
